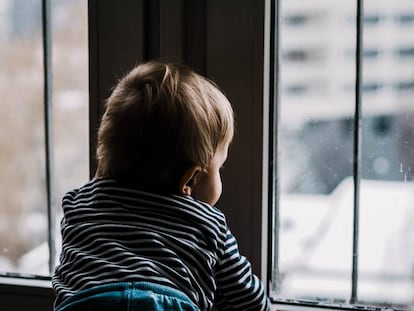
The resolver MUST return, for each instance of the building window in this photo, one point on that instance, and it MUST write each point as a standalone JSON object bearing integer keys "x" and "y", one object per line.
{"x": 406, "y": 18}
{"x": 372, "y": 19}
{"x": 296, "y": 89}
{"x": 402, "y": 86}
{"x": 343, "y": 216}
{"x": 296, "y": 55}
{"x": 405, "y": 52}
{"x": 44, "y": 137}
{"x": 300, "y": 20}
{"x": 370, "y": 53}
{"x": 369, "y": 87}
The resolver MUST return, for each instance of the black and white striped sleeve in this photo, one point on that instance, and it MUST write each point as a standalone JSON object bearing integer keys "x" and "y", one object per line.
{"x": 237, "y": 287}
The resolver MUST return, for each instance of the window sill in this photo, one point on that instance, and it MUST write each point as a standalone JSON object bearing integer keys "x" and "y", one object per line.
{"x": 305, "y": 305}
{"x": 19, "y": 293}
{"x": 25, "y": 280}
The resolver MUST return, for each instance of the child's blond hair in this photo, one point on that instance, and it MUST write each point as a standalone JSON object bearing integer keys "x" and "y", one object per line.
{"x": 161, "y": 120}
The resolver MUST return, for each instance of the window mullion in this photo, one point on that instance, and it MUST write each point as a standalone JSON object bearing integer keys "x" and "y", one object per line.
{"x": 357, "y": 148}
{"x": 274, "y": 196}
{"x": 48, "y": 117}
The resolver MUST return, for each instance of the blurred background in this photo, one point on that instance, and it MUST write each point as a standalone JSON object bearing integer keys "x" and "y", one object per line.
{"x": 23, "y": 207}
{"x": 316, "y": 134}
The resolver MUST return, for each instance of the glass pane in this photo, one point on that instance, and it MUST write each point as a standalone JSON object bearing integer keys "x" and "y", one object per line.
{"x": 387, "y": 190}
{"x": 315, "y": 127}
{"x": 71, "y": 98}
{"x": 23, "y": 212}
{"x": 71, "y": 94}
{"x": 23, "y": 222}
{"x": 316, "y": 144}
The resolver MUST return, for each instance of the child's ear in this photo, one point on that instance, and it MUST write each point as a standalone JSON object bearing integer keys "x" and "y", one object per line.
{"x": 188, "y": 179}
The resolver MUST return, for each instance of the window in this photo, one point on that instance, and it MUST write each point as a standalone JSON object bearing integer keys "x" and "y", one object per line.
{"x": 406, "y": 18}
{"x": 301, "y": 56}
{"x": 21, "y": 156}
{"x": 404, "y": 86}
{"x": 405, "y": 52}
{"x": 370, "y": 53}
{"x": 43, "y": 142}
{"x": 372, "y": 19}
{"x": 296, "y": 20}
{"x": 296, "y": 89}
{"x": 343, "y": 214}
{"x": 372, "y": 86}
{"x": 315, "y": 135}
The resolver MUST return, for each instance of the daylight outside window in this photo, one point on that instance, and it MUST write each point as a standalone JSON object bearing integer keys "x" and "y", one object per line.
{"x": 23, "y": 208}
{"x": 315, "y": 163}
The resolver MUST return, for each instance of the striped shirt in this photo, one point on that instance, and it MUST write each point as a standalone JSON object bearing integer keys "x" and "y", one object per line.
{"x": 115, "y": 234}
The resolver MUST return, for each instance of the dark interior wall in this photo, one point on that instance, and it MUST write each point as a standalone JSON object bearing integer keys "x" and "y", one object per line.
{"x": 116, "y": 40}
{"x": 235, "y": 62}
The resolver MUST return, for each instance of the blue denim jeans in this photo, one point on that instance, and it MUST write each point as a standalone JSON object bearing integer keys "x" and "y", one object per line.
{"x": 128, "y": 296}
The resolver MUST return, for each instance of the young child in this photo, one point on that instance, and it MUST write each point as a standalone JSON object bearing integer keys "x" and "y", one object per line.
{"x": 144, "y": 233}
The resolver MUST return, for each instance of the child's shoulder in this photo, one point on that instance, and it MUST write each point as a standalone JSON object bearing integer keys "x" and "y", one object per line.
{"x": 89, "y": 188}
{"x": 204, "y": 212}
